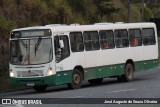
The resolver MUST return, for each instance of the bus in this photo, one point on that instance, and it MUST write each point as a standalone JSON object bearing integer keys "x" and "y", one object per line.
{"x": 55, "y": 54}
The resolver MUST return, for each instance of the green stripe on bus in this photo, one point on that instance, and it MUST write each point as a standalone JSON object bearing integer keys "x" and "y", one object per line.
{"x": 103, "y": 71}
{"x": 48, "y": 80}
{"x": 64, "y": 77}
{"x": 144, "y": 65}
{"x": 118, "y": 69}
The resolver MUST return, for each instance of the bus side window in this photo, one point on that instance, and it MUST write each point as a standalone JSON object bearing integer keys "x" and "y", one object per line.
{"x": 65, "y": 50}
{"x": 148, "y": 36}
{"x": 61, "y": 53}
{"x": 107, "y": 39}
{"x": 76, "y": 41}
{"x": 135, "y": 37}
{"x": 91, "y": 40}
{"x": 121, "y": 38}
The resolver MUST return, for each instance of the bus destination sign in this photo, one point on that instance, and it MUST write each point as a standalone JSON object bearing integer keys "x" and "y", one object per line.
{"x": 30, "y": 33}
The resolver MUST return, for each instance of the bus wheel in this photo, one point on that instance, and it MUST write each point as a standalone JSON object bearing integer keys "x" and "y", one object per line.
{"x": 40, "y": 88}
{"x": 95, "y": 81}
{"x": 76, "y": 79}
{"x": 129, "y": 70}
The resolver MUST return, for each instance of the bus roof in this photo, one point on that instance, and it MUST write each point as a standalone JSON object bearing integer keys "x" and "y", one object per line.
{"x": 97, "y": 26}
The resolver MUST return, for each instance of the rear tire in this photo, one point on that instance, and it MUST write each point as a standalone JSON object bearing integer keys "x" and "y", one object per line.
{"x": 76, "y": 80}
{"x": 96, "y": 81}
{"x": 128, "y": 75}
{"x": 40, "y": 88}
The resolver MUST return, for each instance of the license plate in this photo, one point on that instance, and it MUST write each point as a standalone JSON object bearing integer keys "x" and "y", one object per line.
{"x": 30, "y": 84}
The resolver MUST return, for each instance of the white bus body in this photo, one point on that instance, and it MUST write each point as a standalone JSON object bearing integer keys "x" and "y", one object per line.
{"x": 93, "y": 64}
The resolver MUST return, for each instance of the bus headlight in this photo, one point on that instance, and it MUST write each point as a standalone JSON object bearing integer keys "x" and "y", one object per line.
{"x": 11, "y": 74}
{"x": 50, "y": 72}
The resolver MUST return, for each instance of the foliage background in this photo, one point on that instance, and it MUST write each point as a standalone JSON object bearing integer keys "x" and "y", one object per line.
{"x": 24, "y": 13}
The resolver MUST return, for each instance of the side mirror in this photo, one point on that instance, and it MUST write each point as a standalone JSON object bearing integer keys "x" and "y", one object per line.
{"x": 61, "y": 43}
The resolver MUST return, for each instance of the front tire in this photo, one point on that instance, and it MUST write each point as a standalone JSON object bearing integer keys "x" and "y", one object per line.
{"x": 40, "y": 88}
{"x": 76, "y": 79}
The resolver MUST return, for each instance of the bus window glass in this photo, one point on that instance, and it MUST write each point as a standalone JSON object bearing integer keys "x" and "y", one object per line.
{"x": 135, "y": 37}
{"x": 91, "y": 40}
{"x": 121, "y": 38}
{"x": 107, "y": 39}
{"x": 30, "y": 51}
{"x": 61, "y": 53}
{"x": 148, "y": 36}
{"x": 76, "y": 41}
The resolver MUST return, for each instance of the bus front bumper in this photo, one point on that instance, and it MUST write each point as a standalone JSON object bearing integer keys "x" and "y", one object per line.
{"x": 48, "y": 80}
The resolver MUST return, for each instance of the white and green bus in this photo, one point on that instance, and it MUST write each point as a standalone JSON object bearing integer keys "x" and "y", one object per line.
{"x": 69, "y": 54}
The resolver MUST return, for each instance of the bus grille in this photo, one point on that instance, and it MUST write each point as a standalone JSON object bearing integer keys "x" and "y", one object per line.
{"x": 30, "y": 73}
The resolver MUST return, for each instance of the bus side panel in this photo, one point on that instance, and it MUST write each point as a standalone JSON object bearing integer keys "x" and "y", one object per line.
{"x": 64, "y": 77}
{"x": 103, "y": 71}
{"x": 123, "y": 54}
{"x": 148, "y": 59}
{"x": 138, "y": 66}
{"x": 137, "y": 57}
{"x": 98, "y": 63}
{"x": 100, "y": 58}
{"x": 64, "y": 68}
{"x": 149, "y": 54}
{"x": 144, "y": 65}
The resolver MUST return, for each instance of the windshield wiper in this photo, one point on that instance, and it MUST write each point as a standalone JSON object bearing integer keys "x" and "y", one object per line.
{"x": 37, "y": 45}
{"x": 23, "y": 44}
{"x": 26, "y": 58}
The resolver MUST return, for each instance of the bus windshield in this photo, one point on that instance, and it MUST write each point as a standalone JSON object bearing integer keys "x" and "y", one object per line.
{"x": 31, "y": 51}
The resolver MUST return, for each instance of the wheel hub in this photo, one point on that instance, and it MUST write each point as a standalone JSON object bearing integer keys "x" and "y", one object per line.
{"x": 76, "y": 79}
{"x": 129, "y": 72}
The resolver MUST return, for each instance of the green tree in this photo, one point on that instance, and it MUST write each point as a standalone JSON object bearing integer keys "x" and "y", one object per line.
{"x": 78, "y": 8}
{"x": 104, "y": 7}
{"x": 147, "y": 14}
{"x": 84, "y": 11}
{"x": 5, "y": 27}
